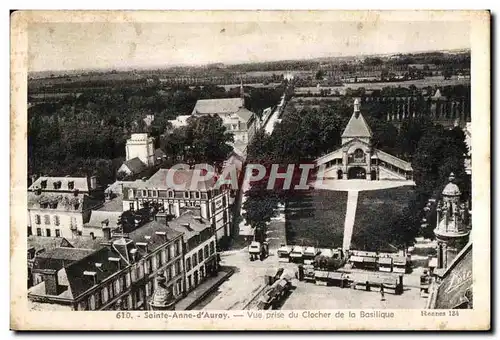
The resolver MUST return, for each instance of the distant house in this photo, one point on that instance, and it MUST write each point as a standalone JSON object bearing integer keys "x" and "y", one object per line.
{"x": 133, "y": 166}
{"x": 236, "y": 118}
{"x": 179, "y": 121}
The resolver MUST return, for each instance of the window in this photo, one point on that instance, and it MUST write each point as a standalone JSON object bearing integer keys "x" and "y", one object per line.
{"x": 38, "y": 231}
{"x": 195, "y": 260}
{"x": 71, "y": 185}
{"x": 118, "y": 288}
{"x": 188, "y": 264}
{"x": 178, "y": 267}
{"x": 176, "y": 249}
{"x": 170, "y": 194}
{"x": 197, "y": 195}
{"x": 123, "y": 281}
{"x": 38, "y": 220}
{"x": 205, "y": 251}
{"x": 111, "y": 291}
{"x": 58, "y": 233}
{"x": 47, "y": 232}
{"x": 200, "y": 255}
{"x": 46, "y": 219}
{"x": 104, "y": 294}
{"x": 92, "y": 302}
{"x": 144, "y": 193}
{"x": 186, "y": 194}
{"x": 212, "y": 247}
{"x": 131, "y": 206}
{"x": 30, "y": 231}
{"x": 92, "y": 235}
{"x": 130, "y": 194}
{"x": 98, "y": 300}
{"x": 56, "y": 220}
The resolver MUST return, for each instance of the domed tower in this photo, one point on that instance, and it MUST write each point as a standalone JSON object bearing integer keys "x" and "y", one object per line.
{"x": 162, "y": 298}
{"x": 452, "y": 228}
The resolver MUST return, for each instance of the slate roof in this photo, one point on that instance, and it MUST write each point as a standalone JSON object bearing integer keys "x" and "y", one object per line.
{"x": 59, "y": 257}
{"x": 113, "y": 205}
{"x": 135, "y": 165}
{"x": 195, "y": 226}
{"x": 79, "y": 283}
{"x": 42, "y": 242}
{"x": 217, "y": 106}
{"x": 63, "y": 201}
{"x": 384, "y": 156}
{"x": 155, "y": 241}
{"x": 357, "y": 127}
{"x": 99, "y": 216}
{"x": 180, "y": 176}
{"x": 79, "y": 183}
{"x": 84, "y": 242}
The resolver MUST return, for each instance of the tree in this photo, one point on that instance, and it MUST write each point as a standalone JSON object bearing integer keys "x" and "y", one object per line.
{"x": 319, "y": 75}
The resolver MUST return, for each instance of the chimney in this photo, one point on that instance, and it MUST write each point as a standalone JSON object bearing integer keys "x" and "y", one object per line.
{"x": 116, "y": 261}
{"x": 51, "y": 281}
{"x": 143, "y": 245}
{"x": 93, "y": 275}
{"x": 163, "y": 234}
{"x": 107, "y": 232}
{"x": 133, "y": 254}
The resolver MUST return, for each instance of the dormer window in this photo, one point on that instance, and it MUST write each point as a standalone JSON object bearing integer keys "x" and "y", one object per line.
{"x": 155, "y": 193}
{"x": 130, "y": 194}
{"x": 197, "y": 194}
{"x": 186, "y": 194}
{"x": 170, "y": 194}
{"x": 57, "y": 185}
{"x": 144, "y": 193}
{"x": 53, "y": 205}
{"x": 43, "y": 184}
{"x": 77, "y": 205}
{"x": 71, "y": 185}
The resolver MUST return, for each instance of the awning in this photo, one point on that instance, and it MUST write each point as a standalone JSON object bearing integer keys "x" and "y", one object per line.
{"x": 335, "y": 276}
{"x": 320, "y": 274}
{"x": 399, "y": 261}
{"x": 356, "y": 259}
{"x": 385, "y": 260}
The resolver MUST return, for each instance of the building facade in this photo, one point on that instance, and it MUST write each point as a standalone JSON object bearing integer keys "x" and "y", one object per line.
{"x": 60, "y": 206}
{"x": 140, "y": 145}
{"x": 200, "y": 252}
{"x": 358, "y": 159}
{"x": 119, "y": 276}
{"x": 204, "y": 199}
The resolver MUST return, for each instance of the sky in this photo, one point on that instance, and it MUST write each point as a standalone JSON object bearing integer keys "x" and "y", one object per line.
{"x": 69, "y": 46}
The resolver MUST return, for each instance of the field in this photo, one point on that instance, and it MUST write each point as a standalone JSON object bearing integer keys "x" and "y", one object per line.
{"x": 430, "y": 81}
{"x": 376, "y": 212}
{"x": 316, "y": 218}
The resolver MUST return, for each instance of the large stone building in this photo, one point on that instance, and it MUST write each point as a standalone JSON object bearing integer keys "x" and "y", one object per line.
{"x": 200, "y": 252}
{"x": 204, "y": 199}
{"x": 358, "y": 159}
{"x": 60, "y": 206}
{"x": 119, "y": 275}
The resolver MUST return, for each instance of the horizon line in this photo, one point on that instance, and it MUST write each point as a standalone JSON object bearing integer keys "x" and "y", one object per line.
{"x": 234, "y": 63}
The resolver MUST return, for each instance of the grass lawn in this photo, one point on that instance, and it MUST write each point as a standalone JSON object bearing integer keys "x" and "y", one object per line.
{"x": 316, "y": 218}
{"x": 376, "y": 212}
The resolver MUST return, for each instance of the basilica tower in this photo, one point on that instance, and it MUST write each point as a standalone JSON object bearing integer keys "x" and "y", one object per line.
{"x": 453, "y": 224}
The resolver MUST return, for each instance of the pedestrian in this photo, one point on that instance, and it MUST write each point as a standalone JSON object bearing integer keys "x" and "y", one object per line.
{"x": 382, "y": 292}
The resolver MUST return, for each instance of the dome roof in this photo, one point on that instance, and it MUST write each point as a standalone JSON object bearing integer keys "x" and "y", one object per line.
{"x": 451, "y": 189}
